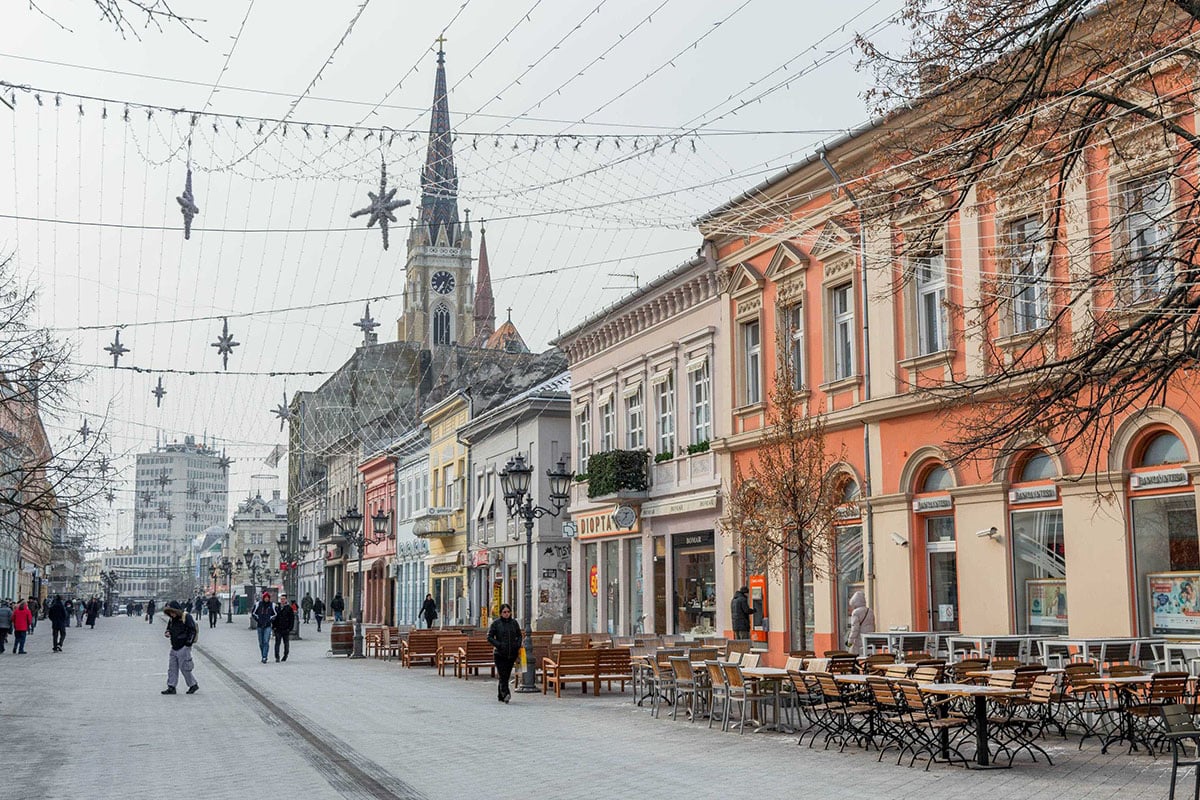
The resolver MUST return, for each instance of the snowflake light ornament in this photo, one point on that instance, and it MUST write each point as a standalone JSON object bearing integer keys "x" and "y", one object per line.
{"x": 187, "y": 206}
{"x": 159, "y": 392}
{"x": 382, "y": 205}
{"x": 283, "y": 412}
{"x": 116, "y": 349}
{"x": 225, "y": 343}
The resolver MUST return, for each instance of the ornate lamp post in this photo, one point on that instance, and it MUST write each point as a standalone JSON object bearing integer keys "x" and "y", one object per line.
{"x": 289, "y": 564}
{"x": 515, "y": 480}
{"x": 352, "y": 526}
{"x": 108, "y": 580}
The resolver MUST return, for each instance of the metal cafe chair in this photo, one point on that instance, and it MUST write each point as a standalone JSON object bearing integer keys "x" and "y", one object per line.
{"x": 1178, "y": 729}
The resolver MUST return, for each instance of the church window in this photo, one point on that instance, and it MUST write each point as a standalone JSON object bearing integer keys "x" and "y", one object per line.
{"x": 441, "y": 325}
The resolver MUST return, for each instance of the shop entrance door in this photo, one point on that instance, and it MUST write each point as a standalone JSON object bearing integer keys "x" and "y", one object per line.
{"x": 942, "y": 573}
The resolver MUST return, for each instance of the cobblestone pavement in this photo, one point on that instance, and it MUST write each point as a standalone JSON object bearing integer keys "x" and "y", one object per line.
{"x": 90, "y": 723}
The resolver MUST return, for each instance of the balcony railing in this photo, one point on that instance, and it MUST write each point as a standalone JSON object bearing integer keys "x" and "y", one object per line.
{"x": 618, "y": 474}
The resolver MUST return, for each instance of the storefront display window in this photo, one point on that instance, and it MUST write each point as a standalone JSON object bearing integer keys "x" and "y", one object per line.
{"x": 695, "y": 582}
{"x": 1165, "y": 541}
{"x": 636, "y": 619}
{"x": 1039, "y": 571}
{"x": 850, "y": 572}
{"x": 591, "y": 590}
{"x": 612, "y": 585}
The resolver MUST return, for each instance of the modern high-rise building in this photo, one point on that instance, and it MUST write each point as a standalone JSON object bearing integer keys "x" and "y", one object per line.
{"x": 181, "y": 488}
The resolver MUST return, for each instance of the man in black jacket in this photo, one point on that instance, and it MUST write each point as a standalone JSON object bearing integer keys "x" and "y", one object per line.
{"x": 505, "y": 636}
{"x": 182, "y": 631}
{"x": 284, "y": 618}
{"x": 60, "y": 620}
{"x": 740, "y": 612}
{"x": 214, "y": 608}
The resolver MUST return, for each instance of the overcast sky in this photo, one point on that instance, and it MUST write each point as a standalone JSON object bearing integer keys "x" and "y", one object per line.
{"x": 94, "y": 187}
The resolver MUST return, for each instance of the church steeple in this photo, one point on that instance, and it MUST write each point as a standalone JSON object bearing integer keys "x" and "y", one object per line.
{"x": 439, "y": 178}
{"x": 485, "y": 304}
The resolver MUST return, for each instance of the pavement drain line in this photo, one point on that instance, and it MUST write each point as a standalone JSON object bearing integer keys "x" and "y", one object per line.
{"x": 328, "y": 754}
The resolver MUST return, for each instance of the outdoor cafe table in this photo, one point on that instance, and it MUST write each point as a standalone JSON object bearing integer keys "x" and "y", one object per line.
{"x": 985, "y": 644}
{"x": 980, "y": 695}
{"x": 850, "y": 678}
{"x": 773, "y": 678}
{"x": 1125, "y": 686}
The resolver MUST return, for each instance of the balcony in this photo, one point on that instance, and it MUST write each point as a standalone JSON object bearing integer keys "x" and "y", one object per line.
{"x": 685, "y": 472}
{"x": 618, "y": 475}
{"x": 434, "y": 521}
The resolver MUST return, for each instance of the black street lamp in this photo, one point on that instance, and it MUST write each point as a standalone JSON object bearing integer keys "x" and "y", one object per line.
{"x": 289, "y": 563}
{"x": 108, "y": 581}
{"x": 515, "y": 479}
{"x": 352, "y": 526}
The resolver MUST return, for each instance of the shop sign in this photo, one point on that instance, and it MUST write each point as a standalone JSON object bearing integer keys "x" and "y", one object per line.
{"x": 1174, "y": 604}
{"x": 445, "y": 569}
{"x": 570, "y": 529}
{"x": 600, "y": 523}
{"x": 625, "y": 517}
{"x": 682, "y": 506}
{"x": 1033, "y": 494}
{"x": 1159, "y": 479}
{"x": 480, "y": 558}
{"x": 924, "y": 505}
{"x": 704, "y": 539}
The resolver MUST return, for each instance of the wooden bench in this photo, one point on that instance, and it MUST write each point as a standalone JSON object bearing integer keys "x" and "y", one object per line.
{"x": 420, "y": 648}
{"x": 447, "y": 650}
{"x": 473, "y": 656}
{"x": 389, "y": 644}
{"x": 613, "y": 664}
{"x": 571, "y": 666}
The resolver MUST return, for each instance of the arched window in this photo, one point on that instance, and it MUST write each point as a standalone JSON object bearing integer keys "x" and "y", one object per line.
{"x": 1164, "y": 448}
{"x": 1037, "y": 467}
{"x": 937, "y": 479}
{"x": 441, "y": 325}
{"x": 848, "y": 491}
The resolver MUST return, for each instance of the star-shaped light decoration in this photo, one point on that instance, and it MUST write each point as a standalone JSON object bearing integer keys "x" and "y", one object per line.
{"x": 225, "y": 343}
{"x": 84, "y": 430}
{"x": 187, "y": 206}
{"x": 170, "y": 517}
{"x": 192, "y": 490}
{"x": 158, "y": 392}
{"x": 163, "y": 480}
{"x": 196, "y": 515}
{"x": 283, "y": 412}
{"x": 224, "y": 461}
{"x": 103, "y": 465}
{"x": 109, "y": 496}
{"x": 382, "y": 205}
{"x": 162, "y": 508}
{"x": 147, "y": 498}
{"x": 116, "y": 349}
{"x": 366, "y": 324}
{"x": 207, "y": 499}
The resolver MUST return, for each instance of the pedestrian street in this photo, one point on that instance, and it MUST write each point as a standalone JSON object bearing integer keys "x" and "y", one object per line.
{"x": 90, "y": 722}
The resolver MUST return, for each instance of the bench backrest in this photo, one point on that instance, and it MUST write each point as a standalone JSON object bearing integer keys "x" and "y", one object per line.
{"x": 423, "y": 641}
{"x": 614, "y": 659}
{"x": 477, "y": 648}
{"x": 577, "y": 658}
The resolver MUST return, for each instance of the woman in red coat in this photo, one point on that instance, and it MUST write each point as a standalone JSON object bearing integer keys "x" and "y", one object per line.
{"x": 22, "y": 619}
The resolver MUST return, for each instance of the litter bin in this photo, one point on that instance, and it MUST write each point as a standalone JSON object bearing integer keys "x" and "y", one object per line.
{"x": 341, "y": 638}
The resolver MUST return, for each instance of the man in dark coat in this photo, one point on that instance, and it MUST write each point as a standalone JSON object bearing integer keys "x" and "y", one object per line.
{"x": 319, "y": 612}
{"x": 285, "y": 617}
{"x": 93, "y": 611}
{"x": 337, "y": 605}
{"x": 429, "y": 610}
{"x": 59, "y": 621}
{"x": 150, "y": 611}
{"x": 182, "y": 631}
{"x": 505, "y": 637}
{"x": 263, "y": 616}
{"x": 740, "y": 612}
{"x": 306, "y": 606}
{"x": 214, "y": 608}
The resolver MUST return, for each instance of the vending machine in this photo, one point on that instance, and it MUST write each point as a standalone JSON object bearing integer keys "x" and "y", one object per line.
{"x": 759, "y": 624}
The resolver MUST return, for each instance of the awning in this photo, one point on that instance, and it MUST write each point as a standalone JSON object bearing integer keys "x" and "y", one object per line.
{"x": 605, "y": 398}
{"x": 446, "y": 558}
{"x": 660, "y": 377}
{"x": 367, "y": 564}
{"x": 697, "y": 363}
{"x": 630, "y": 391}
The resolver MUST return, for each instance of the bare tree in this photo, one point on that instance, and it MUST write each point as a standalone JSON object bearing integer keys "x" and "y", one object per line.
{"x": 1023, "y": 104}
{"x": 125, "y": 16}
{"x": 41, "y": 482}
{"x": 782, "y": 506}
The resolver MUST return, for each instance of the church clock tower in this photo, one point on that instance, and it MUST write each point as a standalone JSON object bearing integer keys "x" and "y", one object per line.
{"x": 439, "y": 302}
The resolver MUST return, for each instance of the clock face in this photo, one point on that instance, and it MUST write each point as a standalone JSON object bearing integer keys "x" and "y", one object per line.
{"x": 442, "y": 282}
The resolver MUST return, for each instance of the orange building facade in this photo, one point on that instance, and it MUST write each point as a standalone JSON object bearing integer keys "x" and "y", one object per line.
{"x": 1042, "y": 541}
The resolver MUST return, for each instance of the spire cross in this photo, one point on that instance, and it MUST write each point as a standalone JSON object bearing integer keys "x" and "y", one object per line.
{"x": 441, "y": 39}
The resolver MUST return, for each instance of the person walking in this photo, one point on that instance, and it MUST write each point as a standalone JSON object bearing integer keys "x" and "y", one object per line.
{"x": 182, "y": 631}
{"x": 22, "y": 621}
{"x": 150, "y": 611}
{"x": 197, "y": 606}
{"x": 429, "y": 610}
{"x": 504, "y": 636}
{"x": 318, "y": 610}
{"x": 60, "y": 620}
{"x": 80, "y": 611}
{"x": 285, "y": 616}
{"x": 337, "y": 606}
{"x": 35, "y": 610}
{"x": 862, "y": 620}
{"x": 263, "y": 615}
{"x": 214, "y": 609}
{"x": 306, "y": 605}
{"x": 93, "y": 611}
{"x": 6, "y": 620}
{"x": 740, "y": 612}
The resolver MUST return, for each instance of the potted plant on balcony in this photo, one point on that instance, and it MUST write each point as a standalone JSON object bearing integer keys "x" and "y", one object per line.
{"x": 621, "y": 473}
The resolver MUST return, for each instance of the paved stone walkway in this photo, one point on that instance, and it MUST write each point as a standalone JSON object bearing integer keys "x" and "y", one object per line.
{"x": 90, "y": 723}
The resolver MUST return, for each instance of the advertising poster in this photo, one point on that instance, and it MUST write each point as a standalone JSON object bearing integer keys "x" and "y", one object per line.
{"x": 1046, "y": 604}
{"x": 1174, "y": 606}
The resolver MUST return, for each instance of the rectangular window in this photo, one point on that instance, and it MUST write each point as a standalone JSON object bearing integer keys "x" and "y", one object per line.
{"x": 1039, "y": 571}
{"x": 1165, "y": 539}
{"x": 842, "y": 302}
{"x": 608, "y": 426}
{"x": 751, "y": 363}
{"x": 701, "y": 403}
{"x": 583, "y": 437}
{"x": 793, "y": 317}
{"x": 1147, "y": 210}
{"x": 931, "y": 304}
{"x": 635, "y": 421}
{"x": 1029, "y": 275}
{"x": 664, "y": 400}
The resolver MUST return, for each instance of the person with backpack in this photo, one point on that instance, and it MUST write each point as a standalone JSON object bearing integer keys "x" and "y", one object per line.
{"x": 182, "y": 631}
{"x": 318, "y": 610}
{"x": 263, "y": 616}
